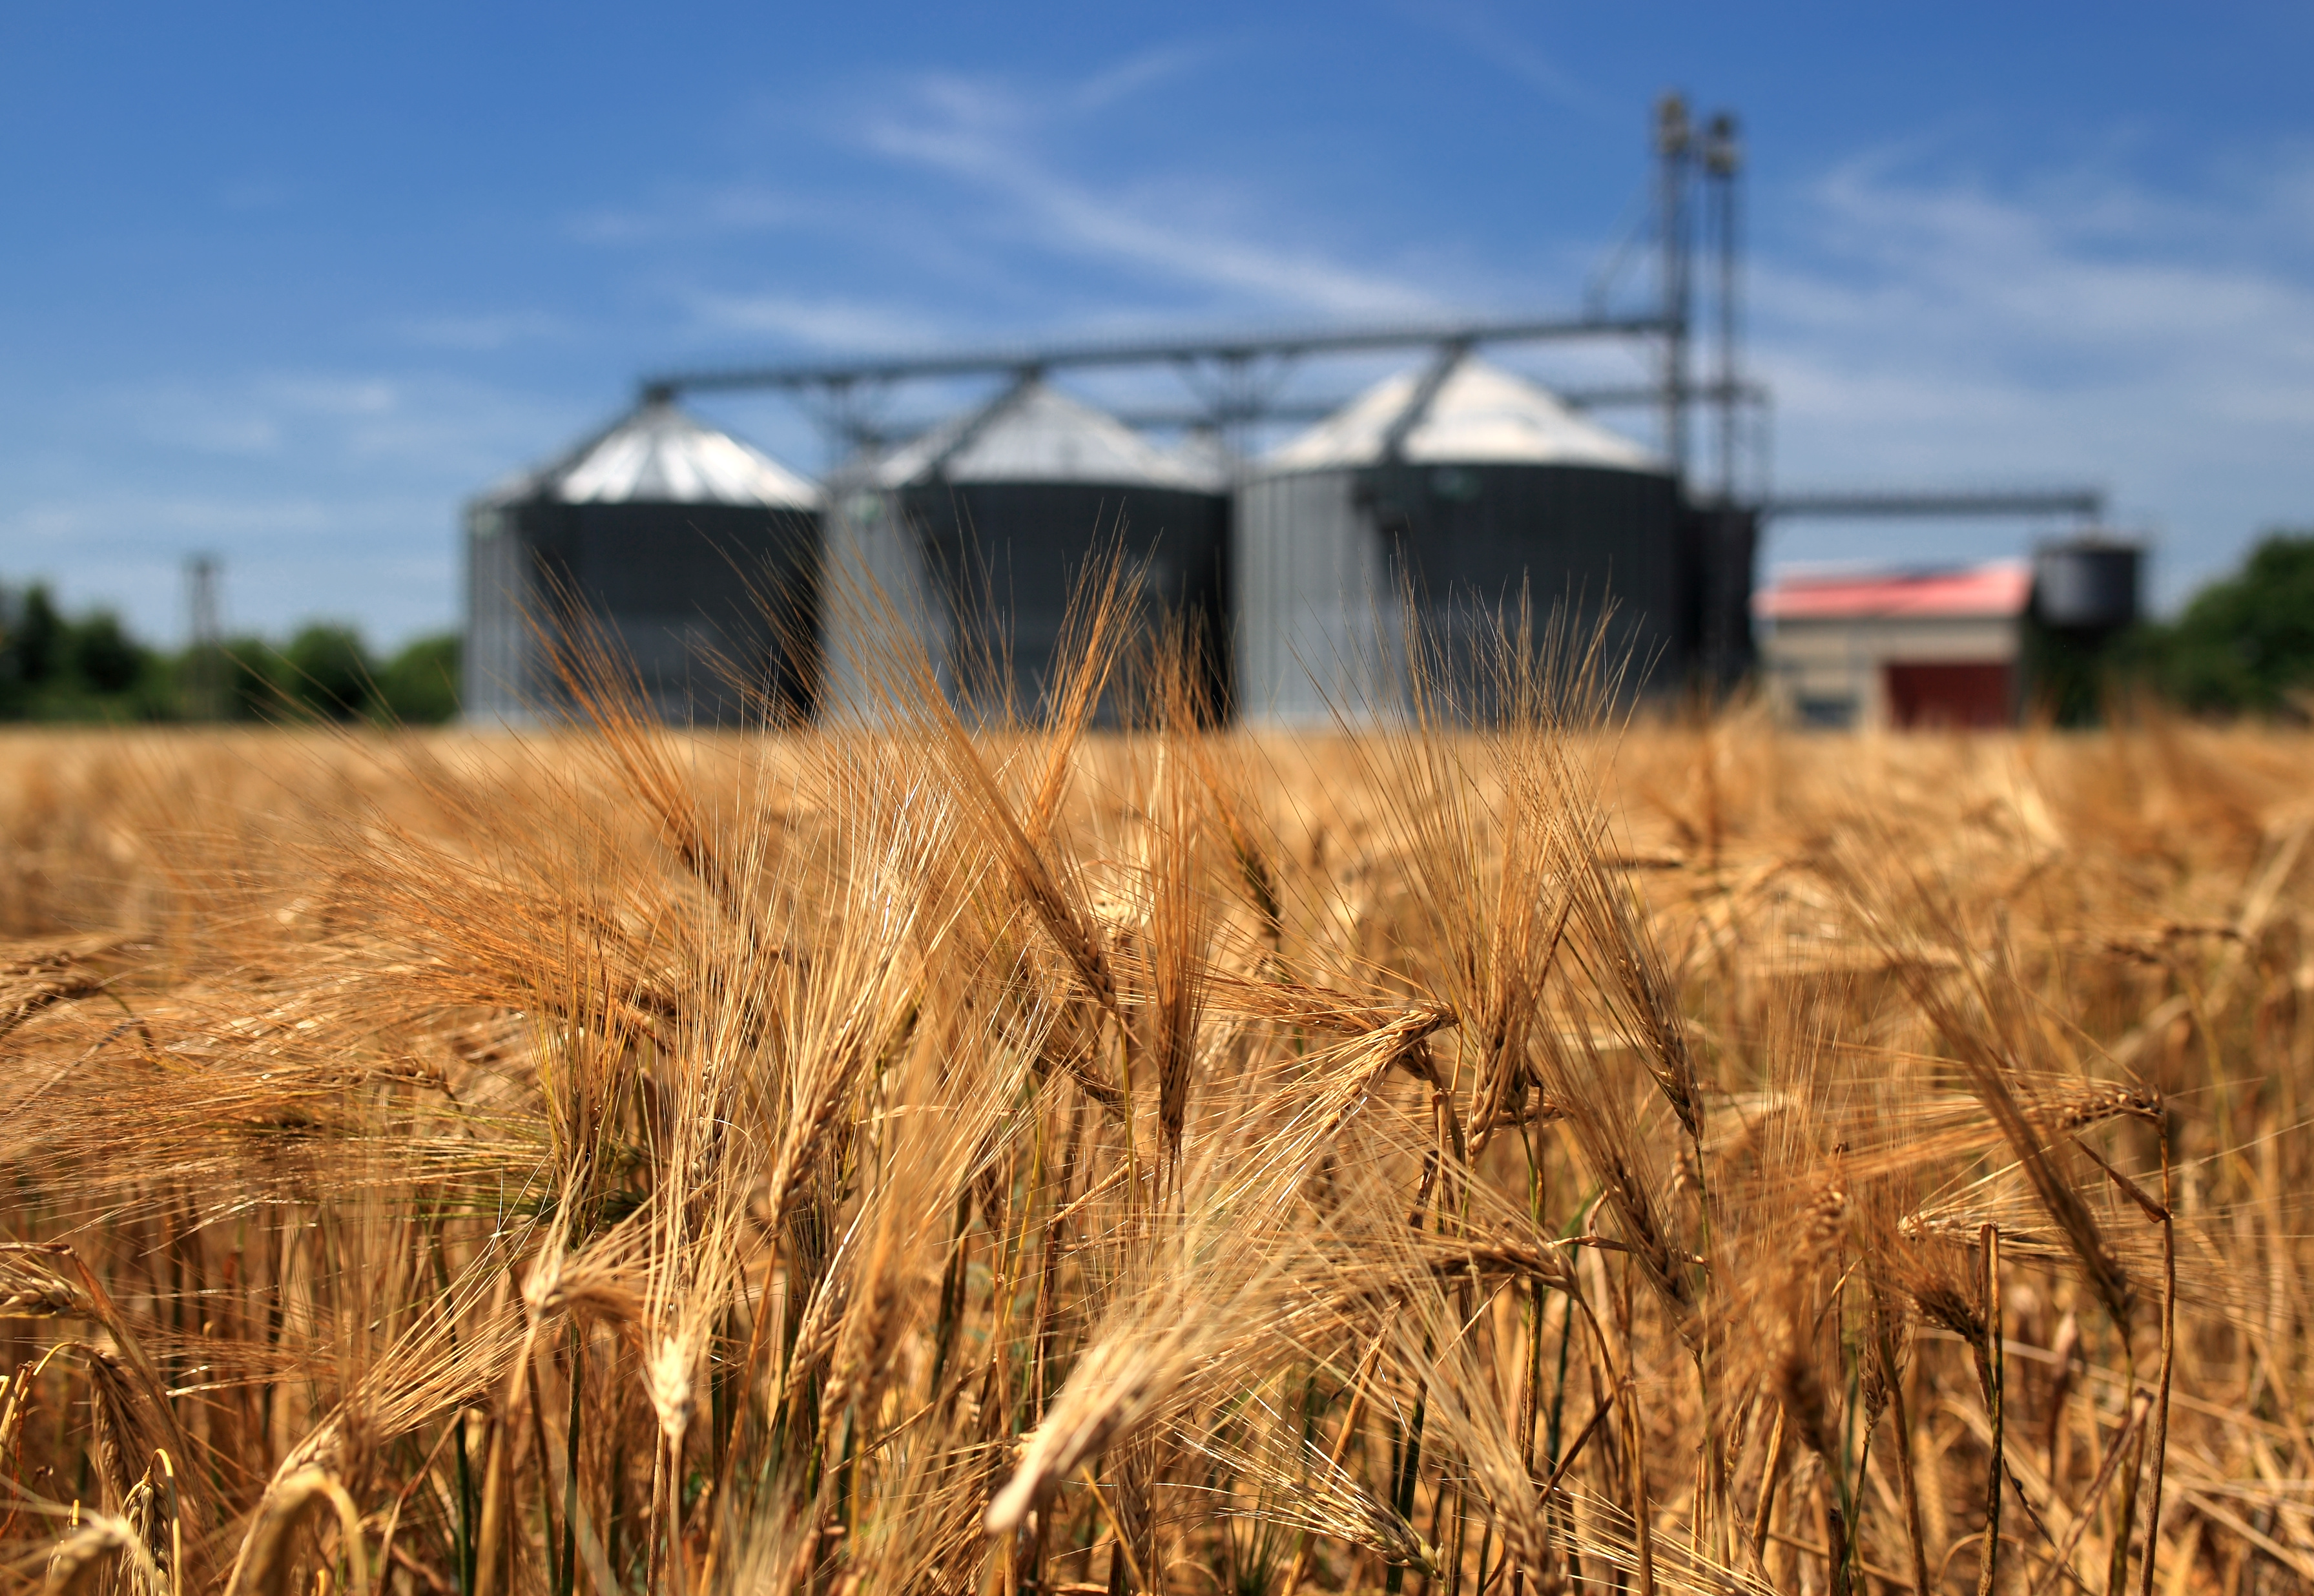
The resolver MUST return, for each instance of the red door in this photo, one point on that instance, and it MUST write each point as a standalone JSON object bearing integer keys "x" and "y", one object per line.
{"x": 1933, "y": 694}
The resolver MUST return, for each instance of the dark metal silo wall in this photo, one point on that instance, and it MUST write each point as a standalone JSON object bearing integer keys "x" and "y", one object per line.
{"x": 715, "y": 606}
{"x": 1593, "y": 549}
{"x": 1726, "y": 542}
{"x": 1007, "y": 557}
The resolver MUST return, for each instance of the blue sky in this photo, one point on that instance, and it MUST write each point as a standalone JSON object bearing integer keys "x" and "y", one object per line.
{"x": 288, "y": 282}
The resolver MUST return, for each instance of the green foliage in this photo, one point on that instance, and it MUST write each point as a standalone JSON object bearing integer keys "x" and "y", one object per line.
{"x": 54, "y": 668}
{"x": 327, "y": 673}
{"x": 2245, "y": 643}
{"x": 256, "y": 685}
{"x": 35, "y": 637}
{"x": 58, "y": 668}
{"x": 420, "y": 686}
{"x": 105, "y": 656}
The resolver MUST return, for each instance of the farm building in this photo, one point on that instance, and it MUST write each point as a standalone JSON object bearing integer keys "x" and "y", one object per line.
{"x": 978, "y": 532}
{"x": 1904, "y": 648}
{"x": 1956, "y": 647}
{"x": 693, "y": 555}
{"x": 1470, "y": 492}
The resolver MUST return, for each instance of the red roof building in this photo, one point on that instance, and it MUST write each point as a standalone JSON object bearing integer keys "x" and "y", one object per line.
{"x": 1897, "y": 649}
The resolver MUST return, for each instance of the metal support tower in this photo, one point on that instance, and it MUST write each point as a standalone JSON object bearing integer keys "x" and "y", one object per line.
{"x": 1674, "y": 158}
{"x": 205, "y": 661}
{"x": 1722, "y": 163}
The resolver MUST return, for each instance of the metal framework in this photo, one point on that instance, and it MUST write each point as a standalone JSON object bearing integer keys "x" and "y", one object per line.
{"x": 1234, "y": 378}
{"x": 1237, "y": 380}
{"x": 2086, "y": 503}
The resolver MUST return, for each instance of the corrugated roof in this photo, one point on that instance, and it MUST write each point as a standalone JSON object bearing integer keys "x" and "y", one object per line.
{"x": 659, "y": 455}
{"x": 1481, "y": 415}
{"x": 1039, "y": 434}
{"x": 2002, "y": 589}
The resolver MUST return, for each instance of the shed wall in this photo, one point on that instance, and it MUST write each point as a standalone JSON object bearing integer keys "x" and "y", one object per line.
{"x": 1834, "y": 672}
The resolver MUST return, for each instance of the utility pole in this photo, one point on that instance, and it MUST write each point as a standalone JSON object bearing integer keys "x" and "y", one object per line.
{"x": 1674, "y": 152}
{"x": 204, "y": 662}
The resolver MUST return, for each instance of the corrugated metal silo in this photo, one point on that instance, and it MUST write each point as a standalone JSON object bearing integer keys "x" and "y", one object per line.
{"x": 697, "y": 554}
{"x": 979, "y": 531}
{"x": 1470, "y": 489}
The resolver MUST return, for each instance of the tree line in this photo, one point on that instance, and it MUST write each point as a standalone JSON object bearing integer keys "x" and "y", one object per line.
{"x": 90, "y": 668}
{"x": 2245, "y": 643}
{"x": 2242, "y": 645}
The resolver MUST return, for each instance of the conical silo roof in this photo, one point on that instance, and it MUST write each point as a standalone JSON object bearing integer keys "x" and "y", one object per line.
{"x": 1207, "y": 459}
{"x": 659, "y": 455}
{"x": 1034, "y": 432}
{"x": 1481, "y": 415}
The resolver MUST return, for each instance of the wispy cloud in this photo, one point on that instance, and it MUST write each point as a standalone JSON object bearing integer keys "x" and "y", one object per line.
{"x": 1005, "y": 144}
{"x": 282, "y": 553}
{"x": 822, "y": 323}
{"x": 2068, "y": 325}
{"x": 1137, "y": 73}
{"x": 297, "y": 420}
{"x": 1498, "y": 42}
{"x": 692, "y": 212}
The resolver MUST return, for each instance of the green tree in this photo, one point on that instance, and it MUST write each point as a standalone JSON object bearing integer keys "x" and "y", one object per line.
{"x": 33, "y": 648}
{"x": 103, "y": 655}
{"x": 419, "y": 686}
{"x": 329, "y": 671}
{"x": 257, "y": 681}
{"x": 2245, "y": 642}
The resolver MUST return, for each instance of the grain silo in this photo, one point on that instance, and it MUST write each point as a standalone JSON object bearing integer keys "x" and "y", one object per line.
{"x": 695, "y": 554}
{"x": 1468, "y": 489}
{"x": 980, "y": 530}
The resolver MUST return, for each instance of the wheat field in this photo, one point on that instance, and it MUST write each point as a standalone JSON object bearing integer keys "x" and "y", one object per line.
{"x": 1658, "y": 1155}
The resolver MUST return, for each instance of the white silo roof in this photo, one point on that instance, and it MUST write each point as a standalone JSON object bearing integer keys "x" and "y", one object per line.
{"x": 1203, "y": 456}
{"x": 1039, "y": 434}
{"x": 660, "y": 455}
{"x": 1481, "y": 415}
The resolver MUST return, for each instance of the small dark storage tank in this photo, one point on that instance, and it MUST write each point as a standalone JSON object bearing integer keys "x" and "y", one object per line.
{"x": 2086, "y": 585}
{"x": 1006, "y": 509}
{"x": 698, "y": 554}
{"x": 2085, "y": 595}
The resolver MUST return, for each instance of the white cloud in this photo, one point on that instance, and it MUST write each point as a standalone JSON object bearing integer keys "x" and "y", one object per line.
{"x": 320, "y": 489}
{"x": 1135, "y": 73}
{"x": 694, "y": 213}
{"x": 1498, "y": 43}
{"x": 285, "y": 559}
{"x": 2072, "y": 327}
{"x": 997, "y": 141}
{"x": 822, "y": 322}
